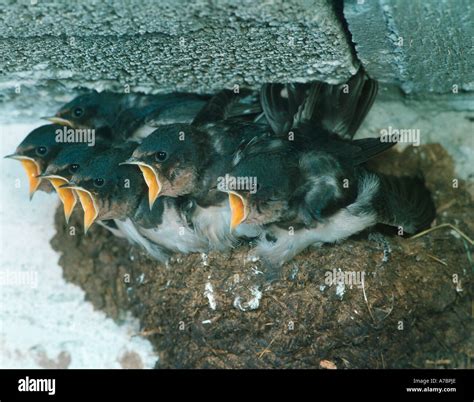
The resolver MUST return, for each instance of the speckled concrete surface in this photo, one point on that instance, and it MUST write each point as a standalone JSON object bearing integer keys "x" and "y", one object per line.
{"x": 422, "y": 46}
{"x": 198, "y": 46}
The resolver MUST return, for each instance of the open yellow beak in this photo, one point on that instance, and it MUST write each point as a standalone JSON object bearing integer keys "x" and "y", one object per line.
{"x": 152, "y": 181}
{"x": 88, "y": 205}
{"x": 238, "y": 209}
{"x": 60, "y": 120}
{"x": 32, "y": 170}
{"x": 66, "y": 195}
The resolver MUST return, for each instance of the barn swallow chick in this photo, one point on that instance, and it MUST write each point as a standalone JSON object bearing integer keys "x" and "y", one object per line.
{"x": 41, "y": 146}
{"x": 108, "y": 191}
{"x": 315, "y": 189}
{"x": 35, "y": 152}
{"x": 320, "y": 118}
{"x": 174, "y": 158}
{"x": 299, "y": 206}
{"x": 188, "y": 160}
{"x": 269, "y": 202}
{"x": 102, "y": 186}
{"x": 128, "y": 115}
{"x": 67, "y": 163}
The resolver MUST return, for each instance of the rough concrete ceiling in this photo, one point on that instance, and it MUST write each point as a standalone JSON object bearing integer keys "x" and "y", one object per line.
{"x": 165, "y": 45}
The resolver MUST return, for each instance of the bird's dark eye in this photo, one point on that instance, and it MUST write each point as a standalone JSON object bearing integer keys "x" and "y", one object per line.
{"x": 73, "y": 168}
{"x": 161, "y": 156}
{"x": 40, "y": 151}
{"x": 99, "y": 182}
{"x": 78, "y": 112}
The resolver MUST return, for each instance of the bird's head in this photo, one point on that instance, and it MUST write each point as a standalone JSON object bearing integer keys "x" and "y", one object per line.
{"x": 259, "y": 188}
{"x": 61, "y": 168}
{"x": 106, "y": 189}
{"x": 36, "y": 151}
{"x": 170, "y": 160}
{"x": 91, "y": 110}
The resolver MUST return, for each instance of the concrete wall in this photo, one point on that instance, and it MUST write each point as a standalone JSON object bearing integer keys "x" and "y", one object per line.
{"x": 174, "y": 44}
{"x": 421, "y": 46}
{"x": 51, "y": 48}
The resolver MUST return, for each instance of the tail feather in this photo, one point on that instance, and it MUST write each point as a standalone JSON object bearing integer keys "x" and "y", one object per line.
{"x": 339, "y": 108}
{"x": 404, "y": 202}
{"x": 280, "y": 104}
{"x": 368, "y": 148}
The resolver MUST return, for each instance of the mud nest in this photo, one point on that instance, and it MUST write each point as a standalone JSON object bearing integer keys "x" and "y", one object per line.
{"x": 412, "y": 308}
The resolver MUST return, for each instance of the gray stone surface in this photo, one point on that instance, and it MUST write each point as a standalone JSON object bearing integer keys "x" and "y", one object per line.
{"x": 199, "y": 46}
{"x": 203, "y": 46}
{"x": 421, "y": 46}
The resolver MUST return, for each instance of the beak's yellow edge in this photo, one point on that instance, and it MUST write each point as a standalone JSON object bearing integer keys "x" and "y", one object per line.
{"x": 237, "y": 209}
{"x": 61, "y": 121}
{"x": 152, "y": 182}
{"x": 88, "y": 205}
{"x": 32, "y": 170}
{"x": 66, "y": 195}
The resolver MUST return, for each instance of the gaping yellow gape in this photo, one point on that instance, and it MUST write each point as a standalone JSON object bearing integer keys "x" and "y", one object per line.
{"x": 89, "y": 207}
{"x": 152, "y": 182}
{"x": 238, "y": 210}
{"x": 66, "y": 195}
{"x": 32, "y": 170}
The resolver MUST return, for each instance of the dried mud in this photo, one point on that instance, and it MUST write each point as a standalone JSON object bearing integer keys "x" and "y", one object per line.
{"x": 413, "y": 310}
